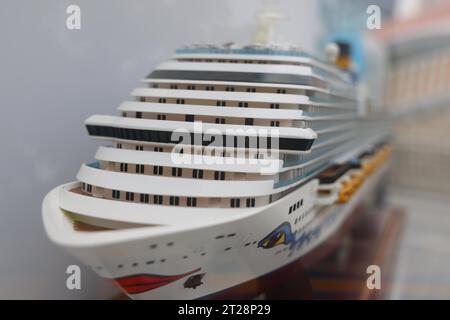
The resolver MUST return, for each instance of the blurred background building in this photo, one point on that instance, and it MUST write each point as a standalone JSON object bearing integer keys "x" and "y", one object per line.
{"x": 417, "y": 96}
{"x": 405, "y": 67}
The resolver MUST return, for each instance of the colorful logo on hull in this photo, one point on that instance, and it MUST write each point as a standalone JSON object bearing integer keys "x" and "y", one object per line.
{"x": 144, "y": 282}
{"x": 279, "y": 236}
{"x": 283, "y": 235}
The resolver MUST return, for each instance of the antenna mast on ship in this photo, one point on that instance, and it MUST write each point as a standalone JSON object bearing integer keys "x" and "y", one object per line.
{"x": 266, "y": 21}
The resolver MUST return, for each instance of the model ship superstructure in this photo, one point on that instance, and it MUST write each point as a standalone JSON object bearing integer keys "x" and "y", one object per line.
{"x": 234, "y": 112}
{"x": 215, "y": 171}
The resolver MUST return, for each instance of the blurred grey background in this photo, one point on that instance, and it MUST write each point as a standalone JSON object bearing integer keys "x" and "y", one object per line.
{"x": 52, "y": 79}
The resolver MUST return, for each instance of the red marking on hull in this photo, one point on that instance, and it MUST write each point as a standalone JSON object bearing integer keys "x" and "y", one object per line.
{"x": 139, "y": 283}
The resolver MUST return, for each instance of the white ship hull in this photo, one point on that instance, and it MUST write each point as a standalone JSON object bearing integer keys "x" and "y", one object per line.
{"x": 152, "y": 265}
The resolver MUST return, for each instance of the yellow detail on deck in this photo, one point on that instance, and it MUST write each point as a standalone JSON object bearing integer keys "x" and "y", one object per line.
{"x": 357, "y": 177}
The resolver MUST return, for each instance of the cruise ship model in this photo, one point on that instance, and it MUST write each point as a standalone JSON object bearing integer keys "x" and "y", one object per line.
{"x": 228, "y": 163}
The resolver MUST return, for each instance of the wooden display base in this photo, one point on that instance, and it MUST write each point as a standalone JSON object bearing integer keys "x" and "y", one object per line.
{"x": 373, "y": 241}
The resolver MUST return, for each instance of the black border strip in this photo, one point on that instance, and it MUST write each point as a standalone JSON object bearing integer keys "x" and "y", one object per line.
{"x": 158, "y": 136}
{"x": 238, "y": 77}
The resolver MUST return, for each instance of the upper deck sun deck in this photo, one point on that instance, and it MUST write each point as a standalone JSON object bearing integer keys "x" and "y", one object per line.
{"x": 249, "y": 50}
